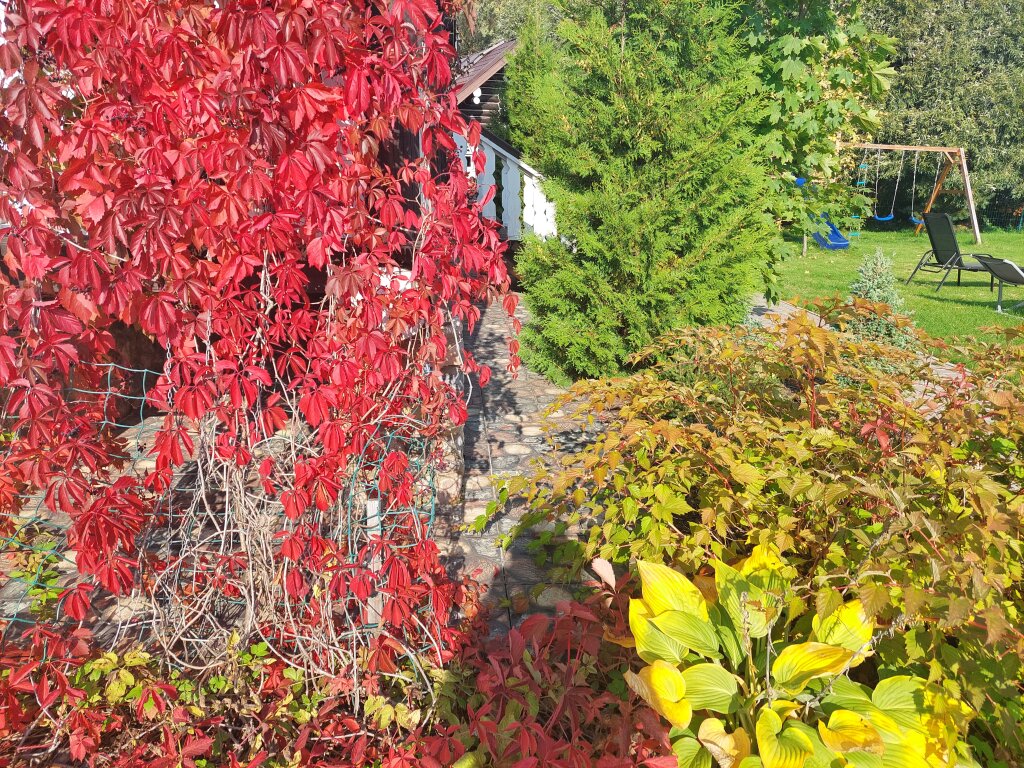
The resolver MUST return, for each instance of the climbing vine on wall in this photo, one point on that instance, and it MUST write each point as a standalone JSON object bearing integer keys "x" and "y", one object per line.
{"x": 264, "y": 190}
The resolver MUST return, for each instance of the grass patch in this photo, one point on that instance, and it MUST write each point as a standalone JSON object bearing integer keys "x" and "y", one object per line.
{"x": 955, "y": 312}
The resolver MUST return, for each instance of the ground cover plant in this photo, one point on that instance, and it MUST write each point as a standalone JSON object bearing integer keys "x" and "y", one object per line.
{"x": 876, "y": 480}
{"x": 748, "y": 675}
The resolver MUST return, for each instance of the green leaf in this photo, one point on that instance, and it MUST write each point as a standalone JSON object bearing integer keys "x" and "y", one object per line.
{"x": 855, "y": 697}
{"x": 689, "y": 631}
{"x": 691, "y": 753}
{"x": 729, "y": 639}
{"x": 792, "y": 69}
{"x": 651, "y": 643}
{"x": 901, "y": 698}
{"x": 747, "y": 605}
{"x": 779, "y": 746}
{"x": 790, "y": 45}
{"x": 709, "y": 686}
{"x": 874, "y": 598}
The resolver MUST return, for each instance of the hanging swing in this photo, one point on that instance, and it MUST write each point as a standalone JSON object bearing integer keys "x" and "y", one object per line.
{"x": 861, "y": 182}
{"x": 896, "y": 188}
{"x": 914, "y": 219}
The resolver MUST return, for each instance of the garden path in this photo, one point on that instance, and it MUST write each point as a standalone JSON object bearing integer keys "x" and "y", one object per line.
{"x": 765, "y": 315}
{"x": 504, "y": 436}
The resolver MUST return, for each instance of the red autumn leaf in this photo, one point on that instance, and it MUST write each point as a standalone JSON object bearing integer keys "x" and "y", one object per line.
{"x": 76, "y": 601}
{"x": 213, "y": 233}
{"x": 295, "y": 585}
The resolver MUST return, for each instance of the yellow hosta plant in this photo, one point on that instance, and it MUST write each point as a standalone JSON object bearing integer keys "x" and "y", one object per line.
{"x": 747, "y": 679}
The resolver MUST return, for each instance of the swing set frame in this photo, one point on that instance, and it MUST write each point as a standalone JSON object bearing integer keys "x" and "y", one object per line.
{"x": 953, "y": 157}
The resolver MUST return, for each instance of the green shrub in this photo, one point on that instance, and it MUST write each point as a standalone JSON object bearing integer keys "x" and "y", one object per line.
{"x": 646, "y": 132}
{"x": 876, "y": 283}
{"x": 898, "y": 486}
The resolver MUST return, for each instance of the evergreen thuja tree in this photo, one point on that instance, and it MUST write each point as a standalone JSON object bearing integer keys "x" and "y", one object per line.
{"x": 642, "y": 115}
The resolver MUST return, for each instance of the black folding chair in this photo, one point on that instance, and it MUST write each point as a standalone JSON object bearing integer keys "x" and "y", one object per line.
{"x": 1005, "y": 271}
{"x": 945, "y": 255}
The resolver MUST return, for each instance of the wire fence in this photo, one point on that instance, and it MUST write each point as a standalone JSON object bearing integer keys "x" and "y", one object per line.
{"x": 209, "y": 562}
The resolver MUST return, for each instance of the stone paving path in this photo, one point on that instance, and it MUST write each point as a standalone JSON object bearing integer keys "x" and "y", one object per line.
{"x": 504, "y": 436}
{"x": 763, "y": 314}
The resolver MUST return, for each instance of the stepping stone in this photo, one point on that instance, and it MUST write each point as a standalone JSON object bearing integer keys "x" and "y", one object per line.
{"x": 479, "y": 483}
{"x": 552, "y": 596}
{"x": 472, "y": 510}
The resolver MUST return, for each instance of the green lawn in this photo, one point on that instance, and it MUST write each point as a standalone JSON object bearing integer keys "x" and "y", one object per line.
{"x": 954, "y": 312}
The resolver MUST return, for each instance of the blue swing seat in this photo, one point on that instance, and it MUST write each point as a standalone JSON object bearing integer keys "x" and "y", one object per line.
{"x": 890, "y": 217}
{"x": 915, "y": 220}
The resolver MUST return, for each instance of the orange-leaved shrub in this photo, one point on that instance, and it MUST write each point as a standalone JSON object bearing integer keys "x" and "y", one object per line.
{"x": 881, "y": 474}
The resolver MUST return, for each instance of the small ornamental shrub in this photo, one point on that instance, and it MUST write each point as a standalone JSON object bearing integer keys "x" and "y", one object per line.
{"x": 749, "y": 675}
{"x": 876, "y": 283}
{"x": 879, "y": 474}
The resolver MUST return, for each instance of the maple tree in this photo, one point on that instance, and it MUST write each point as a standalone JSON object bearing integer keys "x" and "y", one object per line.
{"x": 269, "y": 191}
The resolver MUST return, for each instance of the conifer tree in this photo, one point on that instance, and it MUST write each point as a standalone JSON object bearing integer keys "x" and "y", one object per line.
{"x": 643, "y": 117}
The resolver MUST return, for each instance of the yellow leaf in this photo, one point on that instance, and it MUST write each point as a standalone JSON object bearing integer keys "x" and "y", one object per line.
{"x": 849, "y": 732}
{"x": 780, "y": 747}
{"x": 665, "y": 589}
{"x": 798, "y": 664}
{"x": 662, "y": 686}
{"x": 784, "y": 708}
{"x": 470, "y": 760}
{"x": 848, "y": 627}
{"x": 748, "y": 475}
{"x": 728, "y": 749}
{"x": 651, "y": 642}
{"x": 764, "y": 557}
{"x": 625, "y": 642}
